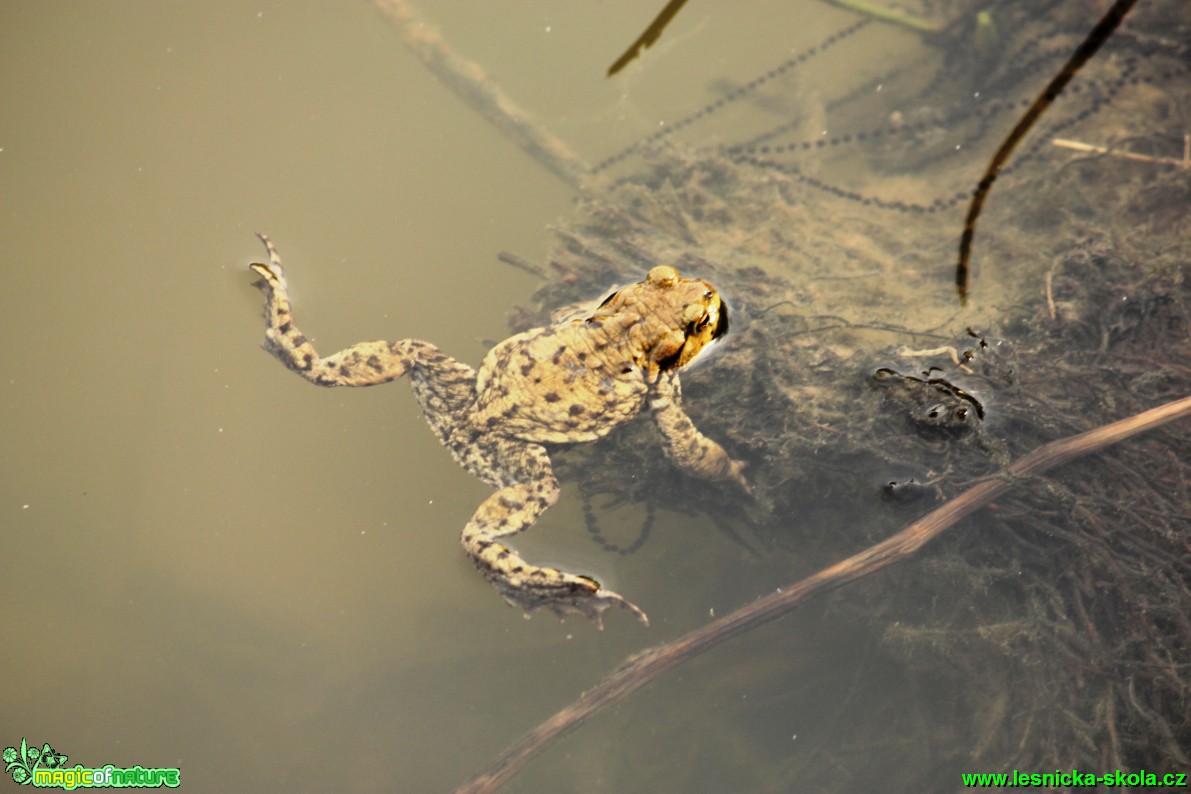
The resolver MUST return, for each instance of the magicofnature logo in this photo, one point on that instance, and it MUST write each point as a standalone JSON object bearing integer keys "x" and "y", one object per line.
{"x": 22, "y": 764}
{"x": 46, "y": 768}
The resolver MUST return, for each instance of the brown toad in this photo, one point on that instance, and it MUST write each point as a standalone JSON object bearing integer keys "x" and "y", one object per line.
{"x": 569, "y": 382}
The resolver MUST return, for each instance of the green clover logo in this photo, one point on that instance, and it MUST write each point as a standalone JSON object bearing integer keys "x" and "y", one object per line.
{"x": 21, "y": 763}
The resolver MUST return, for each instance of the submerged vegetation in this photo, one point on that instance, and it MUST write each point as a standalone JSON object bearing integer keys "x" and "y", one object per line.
{"x": 857, "y": 386}
{"x": 1059, "y": 620}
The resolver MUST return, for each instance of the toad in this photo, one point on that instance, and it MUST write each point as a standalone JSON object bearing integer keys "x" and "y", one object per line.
{"x": 571, "y": 381}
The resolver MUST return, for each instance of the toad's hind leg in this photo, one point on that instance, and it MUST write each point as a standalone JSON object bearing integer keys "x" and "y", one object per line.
{"x": 514, "y": 508}
{"x": 362, "y": 364}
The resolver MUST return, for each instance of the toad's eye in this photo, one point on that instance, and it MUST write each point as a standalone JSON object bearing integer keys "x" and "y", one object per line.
{"x": 699, "y": 326}
{"x": 705, "y": 322}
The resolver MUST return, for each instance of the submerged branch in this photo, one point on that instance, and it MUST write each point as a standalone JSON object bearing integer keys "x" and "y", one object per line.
{"x": 648, "y": 665}
{"x": 472, "y": 84}
{"x": 895, "y": 16}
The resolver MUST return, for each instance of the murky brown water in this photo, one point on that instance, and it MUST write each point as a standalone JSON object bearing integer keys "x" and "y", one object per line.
{"x": 211, "y": 565}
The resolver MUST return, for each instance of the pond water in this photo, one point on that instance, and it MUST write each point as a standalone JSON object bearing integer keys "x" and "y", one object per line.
{"x": 211, "y": 565}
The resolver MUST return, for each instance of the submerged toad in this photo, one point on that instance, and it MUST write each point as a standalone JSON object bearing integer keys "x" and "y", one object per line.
{"x": 569, "y": 382}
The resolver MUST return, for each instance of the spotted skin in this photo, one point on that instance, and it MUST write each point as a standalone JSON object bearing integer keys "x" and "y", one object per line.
{"x": 569, "y": 382}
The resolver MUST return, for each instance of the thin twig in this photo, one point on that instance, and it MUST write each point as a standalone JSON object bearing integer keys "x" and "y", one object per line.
{"x": 1184, "y": 162}
{"x": 648, "y": 665}
{"x": 521, "y": 263}
{"x": 472, "y": 84}
{"x": 648, "y": 37}
{"x": 1050, "y": 294}
{"x": 1087, "y": 48}
{"x": 895, "y": 16}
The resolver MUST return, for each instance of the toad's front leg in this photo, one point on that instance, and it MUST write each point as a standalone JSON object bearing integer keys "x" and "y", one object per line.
{"x": 691, "y": 451}
{"x": 512, "y": 509}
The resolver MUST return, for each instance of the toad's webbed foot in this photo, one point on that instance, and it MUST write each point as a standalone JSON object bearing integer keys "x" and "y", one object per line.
{"x": 563, "y": 594}
{"x": 514, "y": 508}
{"x": 524, "y": 585}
